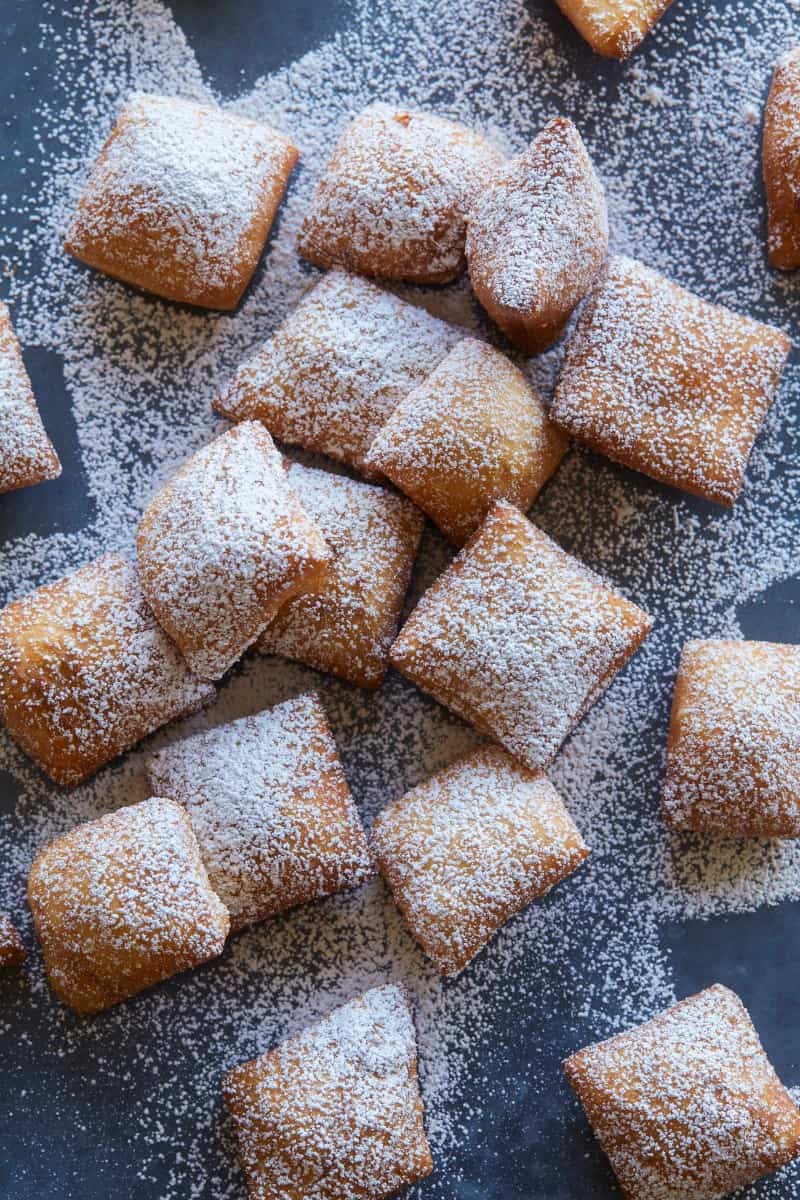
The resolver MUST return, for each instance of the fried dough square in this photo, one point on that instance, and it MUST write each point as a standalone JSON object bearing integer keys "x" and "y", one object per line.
{"x": 473, "y": 432}
{"x": 470, "y": 848}
{"x": 782, "y": 163}
{"x": 347, "y": 627}
{"x": 518, "y": 638}
{"x": 123, "y": 902}
{"x": 181, "y": 200}
{"x": 537, "y": 236}
{"x": 27, "y": 455}
{"x": 333, "y": 372}
{"x": 392, "y": 201}
{"x": 614, "y": 28}
{"x": 12, "y": 950}
{"x": 86, "y": 671}
{"x": 269, "y": 804}
{"x": 223, "y": 545}
{"x": 687, "y": 1106}
{"x": 733, "y": 757}
{"x": 666, "y": 383}
{"x": 335, "y": 1111}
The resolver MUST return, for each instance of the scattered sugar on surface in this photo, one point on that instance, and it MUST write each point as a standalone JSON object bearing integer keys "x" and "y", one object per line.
{"x": 682, "y": 183}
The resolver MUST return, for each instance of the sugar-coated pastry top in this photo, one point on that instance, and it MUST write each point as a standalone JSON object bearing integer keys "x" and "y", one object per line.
{"x": 473, "y": 432}
{"x": 349, "y": 624}
{"x": 181, "y": 199}
{"x": 687, "y": 1106}
{"x": 333, "y": 372}
{"x": 537, "y": 235}
{"x": 518, "y": 637}
{"x": 666, "y": 383}
{"x": 223, "y": 544}
{"x": 271, "y": 809}
{"x": 26, "y": 452}
{"x": 614, "y": 28}
{"x": 86, "y": 672}
{"x": 733, "y": 762}
{"x": 782, "y": 163}
{"x": 122, "y": 902}
{"x": 12, "y": 950}
{"x": 471, "y": 846}
{"x": 335, "y": 1111}
{"x": 393, "y": 199}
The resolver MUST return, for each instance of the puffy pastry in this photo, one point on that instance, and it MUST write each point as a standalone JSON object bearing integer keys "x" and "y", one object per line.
{"x": 537, "y": 236}
{"x": 347, "y": 627}
{"x": 26, "y": 452}
{"x": 687, "y": 1106}
{"x": 471, "y": 847}
{"x": 269, "y": 804}
{"x": 12, "y": 950}
{"x": 331, "y": 375}
{"x": 518, "y": 638}
{"x": 86, "y": 672}
{"x": 334, "y": 1112}
{"x": 666, "y": 383}
{"x": 181, "y": 200}
{"x": 473, "y": 432}
{"x": 733, "y": 757}
{"x": 123, "y": 902}
{"x": 614, "y": 28}
{"x": 393, "y": 199}
{"x": 223, "y": 545}
{"x": 781, "y": 155}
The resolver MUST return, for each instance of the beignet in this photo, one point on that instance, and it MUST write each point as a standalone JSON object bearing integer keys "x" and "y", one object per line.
{"x": 666, "y": 383}
{"x": 12, "y": 950}
{"x": 518, "y": 638}
{"x": 86, "y": 672}
{"x": 393, "y": 199}
{"x": 733, "y": 757}
{"x": 537, "y": 235}
{"x": 467, "y": 850}
{"x": 331, "y": 375}
{"x": 687, "y": 1106}
{"x": 123, "y": 902}
{"x": 347, "y": 627}
{"x": 26, "y": 452}
{"x": 269, "y": 804}
{"x": 335, "y": 1111}
{"x": 614, "y": 28}
{"x": 223, "y": 545}
{"x": 782, "y": 163}
{"x": 473, "y": 432}
{"x": 181, "y": 200}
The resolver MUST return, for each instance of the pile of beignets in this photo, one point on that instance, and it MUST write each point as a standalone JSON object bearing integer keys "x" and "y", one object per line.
{"x": 242, "y": 549}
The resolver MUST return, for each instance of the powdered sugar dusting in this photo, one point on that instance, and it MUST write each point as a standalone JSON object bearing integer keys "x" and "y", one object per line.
{"x": 680, "y": 179}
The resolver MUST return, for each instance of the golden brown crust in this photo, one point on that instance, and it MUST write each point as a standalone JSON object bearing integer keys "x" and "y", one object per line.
{"x": 123, "y": 902}
{"x": 537, "y": 235}
{"x": 614, "y": 28}
{"x": 181, "y": 200}
{"x": 733, "y": 755}
{"x": 666, "y": 383}
{"x": 475, "y": 844}
{"x": 223, "y": 545}
{"x": 392, "y": 201}
{"x": 348, "y": 624}
{"x": 86, "y": 672}
{"x": 687, "y": 1106}
{"x": 12, "y": 949}
{"x": 27, "y": 455}
{"x": 334, "y": 1112}
{"x": 518, "y": 638}
{"x": 781, "y": 155}
{"x": 473, "y": 432}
